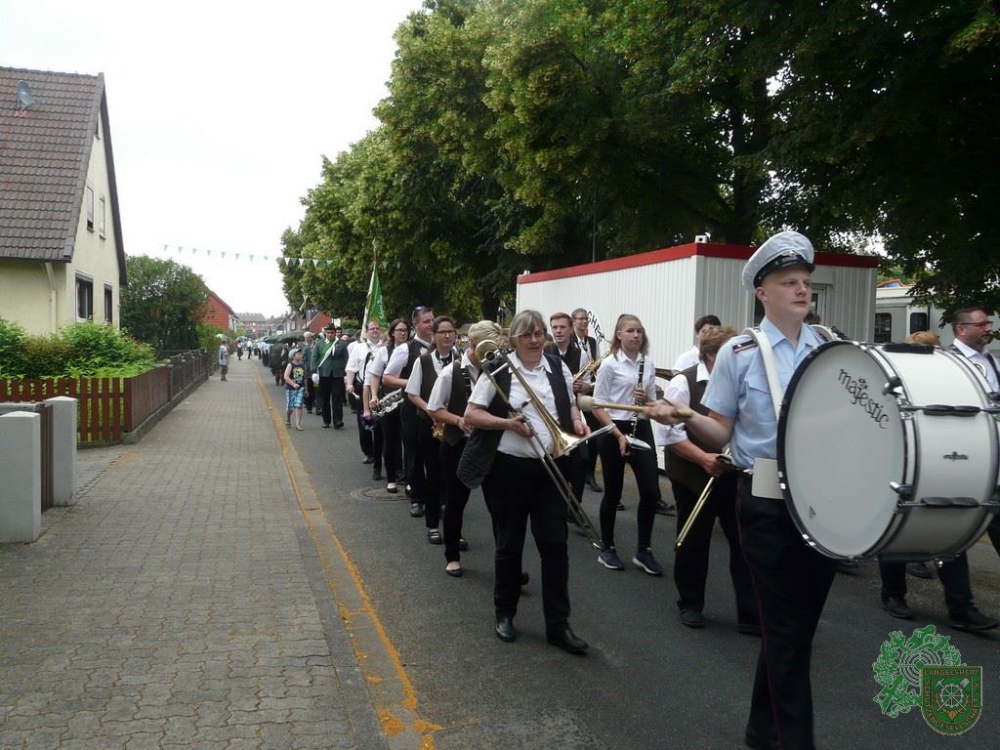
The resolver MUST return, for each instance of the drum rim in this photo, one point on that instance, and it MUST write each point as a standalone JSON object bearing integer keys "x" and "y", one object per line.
{"x": 786, "y": 490}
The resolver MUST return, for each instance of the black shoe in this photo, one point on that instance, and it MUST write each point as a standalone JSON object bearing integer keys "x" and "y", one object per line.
{"x": 505, "y": 629}
{"x": 564, "y": 637}
{"x": 665, "y": 510}
{"x": 972, "y": 620}
{"x": 748, "y": 628}
{"x": 525, "y": 579}
{"x": 463, "y": 545}
{"x": 621, "y": 507}
{"x": 919, "y": 570}
{"x": 416, "y": 509}
{"x": 433, "y": 536}
{"x": 896, "y": 606}
{"x": 337, "y": 425}
{"x": 591, "y": 482}
{"x": 692, "y": 618}
{"x": 377, "y": 474}
{"x": 368, "y": 460}
{"x": 755, "y": 742}
{"x": 454, "y": 572}
{"x": 326, "y": 425}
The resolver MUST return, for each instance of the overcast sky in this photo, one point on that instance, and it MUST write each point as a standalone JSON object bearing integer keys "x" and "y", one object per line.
{"x": 220, "y": 112}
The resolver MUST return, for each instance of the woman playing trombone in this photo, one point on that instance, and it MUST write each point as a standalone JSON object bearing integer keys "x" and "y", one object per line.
{"x": 626, "y": 377}
{"x": 518, "y": 481}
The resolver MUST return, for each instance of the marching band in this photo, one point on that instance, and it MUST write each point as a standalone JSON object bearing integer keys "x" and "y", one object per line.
{"x": 525, "y": 414}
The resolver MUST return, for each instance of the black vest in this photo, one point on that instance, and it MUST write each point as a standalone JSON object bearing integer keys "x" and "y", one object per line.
{"x": 480, "y": 450}
{"x": 407, "y": 411}
{"x": 572, "y": 358}
{"x": 680, "y": 469}
{"x": 458, "y": 399}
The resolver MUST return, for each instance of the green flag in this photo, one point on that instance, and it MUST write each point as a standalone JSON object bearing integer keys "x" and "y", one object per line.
{"x": 374, "y": 310}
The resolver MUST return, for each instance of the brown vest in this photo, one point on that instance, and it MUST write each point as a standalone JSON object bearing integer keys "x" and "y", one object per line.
{"x": 679, "y": 469}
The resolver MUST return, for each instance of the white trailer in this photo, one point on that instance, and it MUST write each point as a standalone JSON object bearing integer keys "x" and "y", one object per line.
{"x": 669, "y": 289}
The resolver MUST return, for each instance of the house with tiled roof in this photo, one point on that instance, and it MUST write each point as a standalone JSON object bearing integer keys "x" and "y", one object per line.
{"x": 62, "y": 258}
{"x": 218, "y": 313}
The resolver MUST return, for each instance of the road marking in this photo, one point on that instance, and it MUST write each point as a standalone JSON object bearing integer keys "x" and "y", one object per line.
{"x": 389, "y": 686}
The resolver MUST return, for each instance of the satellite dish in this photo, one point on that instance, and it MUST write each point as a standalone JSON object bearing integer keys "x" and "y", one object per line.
{"x": 24, "y": 94}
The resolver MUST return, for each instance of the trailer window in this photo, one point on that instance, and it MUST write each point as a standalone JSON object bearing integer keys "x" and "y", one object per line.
{"x": 883, "y": 328}
{"x": 919, "y": 322}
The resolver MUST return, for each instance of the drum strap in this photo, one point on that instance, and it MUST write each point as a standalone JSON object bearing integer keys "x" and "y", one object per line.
{"x": 770, "y": 368}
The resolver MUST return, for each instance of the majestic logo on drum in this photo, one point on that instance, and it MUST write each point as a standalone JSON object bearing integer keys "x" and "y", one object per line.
{"x": 951, "y": 698}
{"x": 858, "y": 389}
{"x": 926, "y": 671}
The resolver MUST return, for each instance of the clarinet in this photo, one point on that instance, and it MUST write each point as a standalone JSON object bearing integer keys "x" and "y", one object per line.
{"x": 635, "y": 415}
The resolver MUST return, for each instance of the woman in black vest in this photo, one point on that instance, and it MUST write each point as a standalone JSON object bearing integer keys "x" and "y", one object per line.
{"x": 690, "y": 463}
{"x": 418, "y": 389}
{"x": 399, "y": 332}
{"x": 446, "y": 406}
{"x": 518, "y": 481}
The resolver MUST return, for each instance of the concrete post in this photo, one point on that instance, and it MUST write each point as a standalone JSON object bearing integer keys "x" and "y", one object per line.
{"x": 64, "y": 412}
{"x": 21, "y": 468}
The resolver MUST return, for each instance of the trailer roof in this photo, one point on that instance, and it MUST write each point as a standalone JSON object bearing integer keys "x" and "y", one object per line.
{"x": 678, "y": 252}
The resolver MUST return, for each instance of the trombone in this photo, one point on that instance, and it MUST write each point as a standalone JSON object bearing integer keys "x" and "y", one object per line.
{"x": 563, "y": 443}
{"x": 592, "y": 366}
{"x": 702, "y": 499}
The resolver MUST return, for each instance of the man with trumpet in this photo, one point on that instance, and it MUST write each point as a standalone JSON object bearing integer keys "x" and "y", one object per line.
{"x": 692, "y": 466}
{"x": 589, "y": 362}
{"x": 516, "y": 426}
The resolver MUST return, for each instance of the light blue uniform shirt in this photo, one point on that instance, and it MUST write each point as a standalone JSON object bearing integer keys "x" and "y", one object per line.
{"x": 738, "y": 389}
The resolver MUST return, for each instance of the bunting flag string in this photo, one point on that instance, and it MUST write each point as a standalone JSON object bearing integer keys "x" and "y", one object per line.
{"x": 282, "y": 261}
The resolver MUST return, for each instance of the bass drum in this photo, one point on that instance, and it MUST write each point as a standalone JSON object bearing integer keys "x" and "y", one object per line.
{"x": 888, "y": 451}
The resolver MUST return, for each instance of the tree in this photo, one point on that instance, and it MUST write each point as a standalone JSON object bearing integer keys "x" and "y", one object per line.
{"x": 163, "y": 303}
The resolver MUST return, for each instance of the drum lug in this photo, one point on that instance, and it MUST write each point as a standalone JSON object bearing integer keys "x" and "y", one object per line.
{"x": 893, "y": 387}
{"x": 905, "y": 491}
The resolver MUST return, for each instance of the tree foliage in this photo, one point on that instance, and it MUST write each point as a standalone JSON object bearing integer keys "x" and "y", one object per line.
{"x": 531, "y": 134}
{"x": 163, "y": 303}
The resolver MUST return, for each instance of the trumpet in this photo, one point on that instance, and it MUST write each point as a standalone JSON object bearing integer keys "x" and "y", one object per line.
{"x": 591, "y": 367}
{"x": 563, "y": 443}
{"x": 388, "y": 403}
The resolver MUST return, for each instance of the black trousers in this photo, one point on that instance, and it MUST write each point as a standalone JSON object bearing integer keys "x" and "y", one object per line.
{"x": 691, "y": 560}
{"x": 412, "y": 464}
{"x": 994, "y": 531}
{"x": 592, "y": 448}
{"x": 644, "y": 467}
{"x": 454, "y": 496}
{"x": 310, "y": 393}
{"x": 792, "y": 582}
{"x": 521, "y": 490}
{"x": 428, "y": 467}
{"x": 954, "y": 575}
{"x": 391, "y": 445}
{"x": 331, "y": 398}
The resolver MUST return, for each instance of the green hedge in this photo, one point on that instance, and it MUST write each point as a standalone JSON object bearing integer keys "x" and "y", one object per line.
{"x": 89, "y": 349}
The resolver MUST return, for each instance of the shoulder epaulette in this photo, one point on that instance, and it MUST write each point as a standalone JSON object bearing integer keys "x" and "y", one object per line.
{"x": 748, "y": 344}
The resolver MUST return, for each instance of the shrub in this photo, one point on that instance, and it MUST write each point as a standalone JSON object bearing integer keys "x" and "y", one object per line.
{"x": 11, "y": 347}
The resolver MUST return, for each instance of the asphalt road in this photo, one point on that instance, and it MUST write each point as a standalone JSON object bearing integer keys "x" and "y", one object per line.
{"x": 648, "y": 682}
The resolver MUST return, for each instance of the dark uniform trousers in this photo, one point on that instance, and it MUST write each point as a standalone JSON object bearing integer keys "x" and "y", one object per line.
{"x": 954, "y": 575}
{"x": 792, "y": 582}
{"x": 331, "y": 398}
{"x": 520, "y": 489}
{"x": 413, "y": 462}
{"x": 428, "y": 469}
{"x": 392, "y": 445}
{"x": 454, "y": 498}
{"x": 691, "y": 561}
{"x": 647, "y": 479}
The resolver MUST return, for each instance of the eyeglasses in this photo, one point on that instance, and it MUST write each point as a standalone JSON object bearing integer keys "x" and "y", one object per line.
{"x": 983, "y": 324}
{"x": 446, "y": 333}
{"x": 532, "y": 335}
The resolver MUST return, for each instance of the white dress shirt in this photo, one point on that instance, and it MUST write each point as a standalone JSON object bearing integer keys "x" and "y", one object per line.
{"x": 616, "y": 380}
{"x": 441, "y": 393}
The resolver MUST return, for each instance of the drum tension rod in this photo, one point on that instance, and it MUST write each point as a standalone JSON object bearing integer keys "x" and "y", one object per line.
{"x": 943, "y": 410}
{"x": 894, "y": 387}
{"x": 905, "y": 491}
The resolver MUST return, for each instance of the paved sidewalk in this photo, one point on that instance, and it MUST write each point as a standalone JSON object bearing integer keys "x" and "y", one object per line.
{"x": 177, "y": 605}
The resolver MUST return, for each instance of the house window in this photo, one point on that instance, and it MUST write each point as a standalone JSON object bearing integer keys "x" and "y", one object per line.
{"x": 84, "y": 298}
{"x": 883, "y": 328}
{"x": 100, "y": 216}
{"x": 90, "y": 208}
{"x": 919, "y": 322}
{"x": 109, "y": 301}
